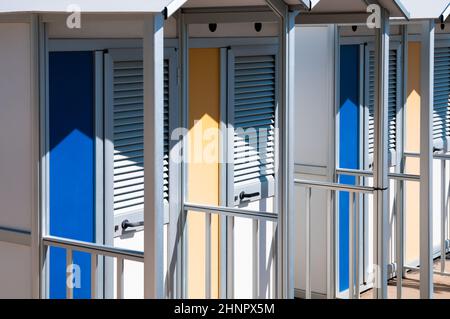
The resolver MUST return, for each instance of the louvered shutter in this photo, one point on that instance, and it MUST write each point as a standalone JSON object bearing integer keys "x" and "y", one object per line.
{"x": 252, "y": 114}
{"x": 128, "y": 133}
{"x": 392, "y": 106}
{"x": 166, "y": 129}
{"x": 441, "y": 125}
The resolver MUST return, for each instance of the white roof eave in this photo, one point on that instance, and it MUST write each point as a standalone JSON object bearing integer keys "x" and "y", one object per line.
{"x": 403, "y": 9}
{"x": 421, "y": 9}
{"x": 334, "y": 7}
{"x": 110, "y": 6}
{"x": 444, "y": 15}
{"x": 86, "y": 6}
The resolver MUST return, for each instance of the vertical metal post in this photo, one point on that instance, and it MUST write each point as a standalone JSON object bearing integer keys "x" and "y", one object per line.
{"x": 223, "y": 153}
{"x": 351, "y": 245}
{"x": 37, "y": 49}
{"x": 101, "y": 219}
{"x": 308, "y": 245}
{"x": 443, "y": 214}
{"x": 94, "y": 269}
{"x": 69, "y": 273}
{"x": 255, "y": 257}
{"x": 153, "y": 48}
{"x": 357, "y": 241}
{"x": 284, "y": 195}
{"x": 289, "y": 113}
{"x": 446, "y": 221}
{"x": 330, "y": 245}
{"x": 426, "y": 160}
{"x": 183, "y": 29}
{"x": 262, "y": 255}
{"x": 208, "y": 256}
{"x": 380, "y": 170}
{"x": 45, "y": 162}
{"x": 119, "y": 277}
{"x": 399, "y": 236}
{"x": 447, "y": 224}
{"x": 401, "y": 118}
{"x": 230, "y": 257}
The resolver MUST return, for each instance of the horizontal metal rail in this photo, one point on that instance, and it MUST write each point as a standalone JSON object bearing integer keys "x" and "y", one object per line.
{"x": 435, "y": 156}
{"x": 335, "y": 186}
{"x": 107, "y": 251}
{"x": 411, "y": 154}
{"x": 364, "y": 173}
{"x": 15, "y": 236}
{"x": 441, "y": 273}
{"x": 404, "y": 177}
{"x": 232, "y": 212}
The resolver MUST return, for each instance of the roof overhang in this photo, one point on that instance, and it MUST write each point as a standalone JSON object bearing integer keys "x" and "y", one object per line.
{"x": 444, "y": 15}
{"x": 350, "y": 11}
{"x": 421, "y": 9}
{"x": 301, "y": 4}
{"x": 130, "y": 6}
{"x": 86, "y": 6}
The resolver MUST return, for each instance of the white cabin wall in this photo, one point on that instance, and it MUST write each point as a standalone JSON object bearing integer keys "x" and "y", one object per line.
{"x": 314, "y": 144}
{"x": 95, "y": 26}
{"x": 16, "y": 166}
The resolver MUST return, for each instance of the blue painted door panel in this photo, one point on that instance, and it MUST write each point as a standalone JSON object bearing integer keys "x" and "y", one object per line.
{"x": 348, "y": 146}
{"x": 72, "y": 184}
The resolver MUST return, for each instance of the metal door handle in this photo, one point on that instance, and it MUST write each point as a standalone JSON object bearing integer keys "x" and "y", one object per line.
{"x": 437, "y": 149}
{"x": 127, "y": 224}
{"x": 243, "y": 195}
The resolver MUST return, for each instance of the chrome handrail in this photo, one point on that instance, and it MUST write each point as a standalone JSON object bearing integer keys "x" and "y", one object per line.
{"x": 445, "y": 156}
{"x": 335, "y": 186}
{"x": 365, "y": 173}
{"x": 15, "y": 236}
{"x": 227, "y": 211}
{"x": 92, "y": 248}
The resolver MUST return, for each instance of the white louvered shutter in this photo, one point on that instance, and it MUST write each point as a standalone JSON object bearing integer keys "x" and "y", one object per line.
{"x": 441, "y": 118}
{"x": 166, "y": 129}
{"x": 128, "y": 134}
{"x": 392, "y": 106}
{"x": 371, "y": 103}
{"x": 253, "y": 85}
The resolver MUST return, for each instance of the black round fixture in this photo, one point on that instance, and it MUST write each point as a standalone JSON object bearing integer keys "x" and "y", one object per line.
{"x": 258, "y": 26}
{"x": 354, "y": 28}
{"x": 212, "y": 27}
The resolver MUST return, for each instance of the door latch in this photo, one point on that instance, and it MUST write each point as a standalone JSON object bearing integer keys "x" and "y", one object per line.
{"x": 127, "y": 224}
{"x": 244, "y": 195}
